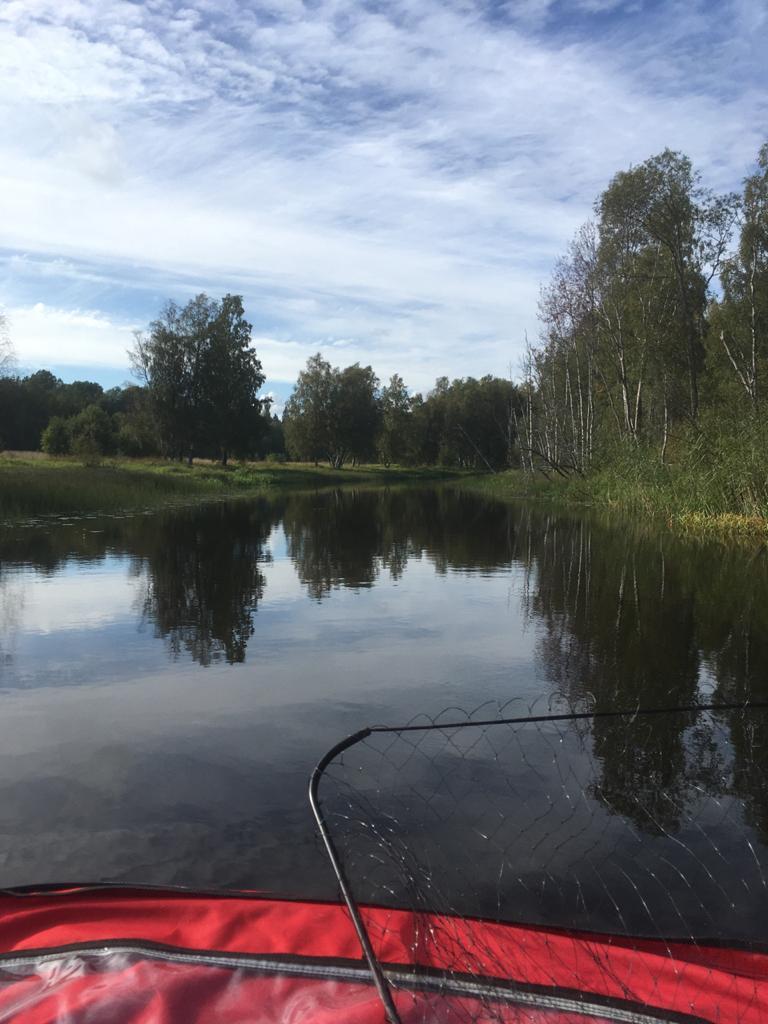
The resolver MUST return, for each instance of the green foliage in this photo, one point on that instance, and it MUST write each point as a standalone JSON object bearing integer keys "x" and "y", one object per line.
{"x": 308, "y": 412}
{"x": 73, "y": 398}
{"x": 57, "y": 437}
{"x": 716, "y": 478}
{"x": 201, "y": 395}
{"x": 332, "y": 414}
{"x": 341, "y": 414}
{"x": 203, "y": 378}
{"x": 271, "y": 444}
{"x": 739, "y": 320}
{"x": 89, "y": 435}
{"x": 395, "y": 420}
{"x": 474, "y": 422}
{"x": 232, "y": 378}
{"x": 87, "y": 449}
{"x": 645, "y": 391}
{"x": 639, "y": 366}
{"x": 92, "y": 433}
{"x": 29, "y": 404}
{"x": 136, "y": 433}
{"x": 356, "y": 415}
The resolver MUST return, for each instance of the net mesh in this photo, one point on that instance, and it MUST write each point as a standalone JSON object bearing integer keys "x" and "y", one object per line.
{"x": 624, "y": 827}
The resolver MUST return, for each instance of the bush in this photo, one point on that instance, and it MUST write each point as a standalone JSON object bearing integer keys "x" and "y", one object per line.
{"x": 57, "y": 437}
{"x": 136, "y": 434}
{"x": 92, "y": 432}
{"x": 86, "y": 448}
{"x": 276, "y": 457}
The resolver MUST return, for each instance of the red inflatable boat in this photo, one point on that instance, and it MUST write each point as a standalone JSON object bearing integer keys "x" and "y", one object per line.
{"x": 133, "y": 956}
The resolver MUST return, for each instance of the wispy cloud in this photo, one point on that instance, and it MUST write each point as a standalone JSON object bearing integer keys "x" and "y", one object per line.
{"x": 395, "y": 178}
{"x": 44, "y": 335}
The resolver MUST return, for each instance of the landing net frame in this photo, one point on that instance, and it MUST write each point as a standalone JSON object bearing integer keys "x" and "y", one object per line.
{"x": 445, "y": 724}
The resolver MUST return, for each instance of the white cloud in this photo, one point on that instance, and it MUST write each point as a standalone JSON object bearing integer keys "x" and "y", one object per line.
{"x": 400, "y": 183}
{"x": 42, "y": 334}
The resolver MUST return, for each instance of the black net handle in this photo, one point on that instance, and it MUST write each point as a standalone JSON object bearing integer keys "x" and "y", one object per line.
{"x": 379, "y": 979}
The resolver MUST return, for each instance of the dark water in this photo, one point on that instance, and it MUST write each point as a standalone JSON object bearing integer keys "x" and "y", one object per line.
{"x": 169, "y": 680}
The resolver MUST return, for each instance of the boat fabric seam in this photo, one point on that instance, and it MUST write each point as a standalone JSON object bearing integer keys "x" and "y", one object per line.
{"x": 252, "y": 961}
{"x": 498, "y": 990}
{"x": 556, "y": 996}
{"x": 605, "y": 1010}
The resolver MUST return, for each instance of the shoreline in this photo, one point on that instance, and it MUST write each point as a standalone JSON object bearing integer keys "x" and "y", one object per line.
{"x": 629, "y": 499}
{"x": 32, "y": 486}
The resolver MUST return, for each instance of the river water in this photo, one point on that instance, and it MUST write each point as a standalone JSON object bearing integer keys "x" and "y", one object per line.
{"x": 170, "y": 679}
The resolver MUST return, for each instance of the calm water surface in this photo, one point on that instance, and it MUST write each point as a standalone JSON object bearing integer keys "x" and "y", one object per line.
{"x": 169, "y": 680}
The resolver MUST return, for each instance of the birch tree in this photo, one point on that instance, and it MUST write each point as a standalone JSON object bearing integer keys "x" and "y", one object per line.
{"x": 740, "y": 321}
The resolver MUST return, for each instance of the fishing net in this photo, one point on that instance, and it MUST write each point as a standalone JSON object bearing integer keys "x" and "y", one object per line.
{"x": 614, "y": 862}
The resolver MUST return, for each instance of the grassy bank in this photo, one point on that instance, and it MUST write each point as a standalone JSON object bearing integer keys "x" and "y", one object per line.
{"x": 724, "y": 499}
{"x": 34, "y": 485}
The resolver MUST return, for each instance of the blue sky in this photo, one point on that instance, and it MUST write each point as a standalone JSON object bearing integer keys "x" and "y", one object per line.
{"x": 388, "y": 182}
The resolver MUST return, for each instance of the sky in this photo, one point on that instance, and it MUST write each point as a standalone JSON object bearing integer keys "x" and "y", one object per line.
{"x": 385, "y": 182}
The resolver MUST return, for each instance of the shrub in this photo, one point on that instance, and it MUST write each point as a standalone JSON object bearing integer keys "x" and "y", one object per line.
{"x": 92, "y": 432}
{"x": 86, "y": 448}
{"x": 57, "y": 437}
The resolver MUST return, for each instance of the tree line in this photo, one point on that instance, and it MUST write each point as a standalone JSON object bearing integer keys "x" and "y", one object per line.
{"x": 654, "y": 322}
{"x": 41, "y": 412}
{"x": 347, "y": 416}
{"x": 654, "y": 342}
{"x": 199, "y": 395}
{"x": 654, "y": 328}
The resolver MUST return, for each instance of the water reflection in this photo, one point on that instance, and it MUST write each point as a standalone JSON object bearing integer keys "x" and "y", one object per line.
{"x": 627, "y": 616}
{"x": 621, "y": 633}
{"x": 204, "y": 580}
{"x": 11, "y": 609}
{"x": 511, "y": 821}
{"x": 335, "y": 540}
{"x": 314, "y": 613}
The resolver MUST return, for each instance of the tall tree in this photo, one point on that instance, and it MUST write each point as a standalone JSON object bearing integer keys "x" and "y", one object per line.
{"x": 396, "y": 419}
{"x": 203, "y": 376}
{"x": 307, "y": 420}
{"x": 356, "y": 415}
{"x": 332, "y": 413}
{"x": 167, "y": 361}
{"x": 567, "y": 365}
{"x": 468, "y": 423}
{"x": 624, "y": 318}
{"x": 740, "y": 320}
{"x": 233, "y": 414}
{"x": 663, "y": 202}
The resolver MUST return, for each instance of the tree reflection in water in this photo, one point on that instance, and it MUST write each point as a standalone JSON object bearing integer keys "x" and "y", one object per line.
{"x": 625, "y": 615}
{"x": 204, "y": 580}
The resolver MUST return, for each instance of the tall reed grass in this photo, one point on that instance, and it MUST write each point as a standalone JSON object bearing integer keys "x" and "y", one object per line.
{"x": 715, "y": 479}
